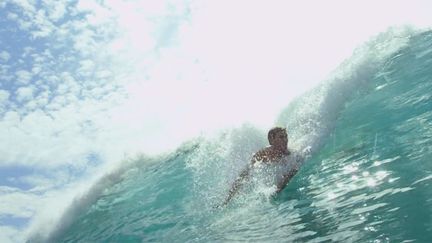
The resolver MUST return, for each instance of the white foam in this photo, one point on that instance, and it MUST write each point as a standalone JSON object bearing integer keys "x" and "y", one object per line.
{"x": 63, "y": 207}
{"x": 311, "y": 117}
{"x": 309, "y": 120}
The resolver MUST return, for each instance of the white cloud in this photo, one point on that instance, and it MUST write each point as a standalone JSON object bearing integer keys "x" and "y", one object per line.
{"x": 42, "y": 99}
{"x": 4, "y": 96}
{"x": 24, "y": 93}
{"x": 53, "y": 137}
{"x": 38, "y": 59}
{"x": 42, "y": 139}
{"x": 35, "y": 19}
{"x": 30, "y": 105}
{"x": 218, "y": 72}
{"x": 57, "y": 103}
{"x": 93, "y": 7}
{"x": 10, "y": 118}
{"x": 4, "y": 73}
{"x": 56, "y": 9}
{"x": 15, "y": 202}
{"x": 10, "y": 234}
{"x": 4, "y": 56}
{"x": 24, "y": 25}
{"x": 36, "y": 69}
{"x": 26, "y": 5}
{"x": 43, "y": 26}
{"x": 39, "y": 182}
{"x": 103, "y": 74}
{"x": 12, "y": 16}
{"x": 23, "y": 76}
{"x": 67, "y": 85}
{"x": 85, "y": 43}
{"x": 46, "y": 205}
{"x": 86, "y": 67}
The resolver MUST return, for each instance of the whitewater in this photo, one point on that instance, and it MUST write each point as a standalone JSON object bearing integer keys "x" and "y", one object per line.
{"x": 368, "y": 178}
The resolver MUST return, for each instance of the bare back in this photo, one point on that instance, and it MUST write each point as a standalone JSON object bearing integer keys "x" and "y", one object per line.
{"x": 268, "y": 155}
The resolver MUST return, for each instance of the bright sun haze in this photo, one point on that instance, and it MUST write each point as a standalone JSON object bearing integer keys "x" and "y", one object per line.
{"x": 87, "y": 83}
{"x": 235, "y": 62}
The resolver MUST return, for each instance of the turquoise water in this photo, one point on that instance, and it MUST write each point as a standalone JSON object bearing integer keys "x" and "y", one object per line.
{"x": 368, "y": 179}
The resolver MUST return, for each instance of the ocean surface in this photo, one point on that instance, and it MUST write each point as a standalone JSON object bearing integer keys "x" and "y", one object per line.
{"x": 368, "y": 178}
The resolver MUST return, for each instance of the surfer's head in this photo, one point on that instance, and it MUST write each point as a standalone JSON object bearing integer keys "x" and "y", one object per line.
{"x": 278, "y": 137}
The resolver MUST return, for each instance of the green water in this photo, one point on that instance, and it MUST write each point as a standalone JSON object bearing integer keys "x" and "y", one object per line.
{"x": 369, "y": 180}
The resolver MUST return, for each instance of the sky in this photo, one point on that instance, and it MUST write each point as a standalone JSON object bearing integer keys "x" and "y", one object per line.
{"x": 85, "y": 84}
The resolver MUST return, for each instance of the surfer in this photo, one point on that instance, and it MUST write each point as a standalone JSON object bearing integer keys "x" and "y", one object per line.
{"x": 277, "y": 152}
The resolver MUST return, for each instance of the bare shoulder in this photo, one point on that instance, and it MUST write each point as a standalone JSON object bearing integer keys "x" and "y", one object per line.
{"x": 262, "y": 155}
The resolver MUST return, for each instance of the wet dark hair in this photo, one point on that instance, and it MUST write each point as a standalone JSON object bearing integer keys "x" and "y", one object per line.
{"x": 273, "y": 133}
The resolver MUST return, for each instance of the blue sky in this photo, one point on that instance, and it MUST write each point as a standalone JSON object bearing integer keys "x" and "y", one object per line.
{"x": 59, "y": 81}
{"x": 87, "y": 83}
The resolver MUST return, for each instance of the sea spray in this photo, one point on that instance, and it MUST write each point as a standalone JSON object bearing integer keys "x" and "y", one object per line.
{"x": 311, "y": 117}
{"x": 340, "y": 194}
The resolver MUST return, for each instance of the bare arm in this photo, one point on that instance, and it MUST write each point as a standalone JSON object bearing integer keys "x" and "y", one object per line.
{"x": 291, "y": 173}
{"x": 237, "y": 185}
{"x": 243, "y": 176}
{"x": 286, "y": 178}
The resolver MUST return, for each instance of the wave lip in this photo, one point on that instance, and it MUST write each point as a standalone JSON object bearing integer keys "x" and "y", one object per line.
{"x": 309, "y": 119}
{"x": 51, "y": 230}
